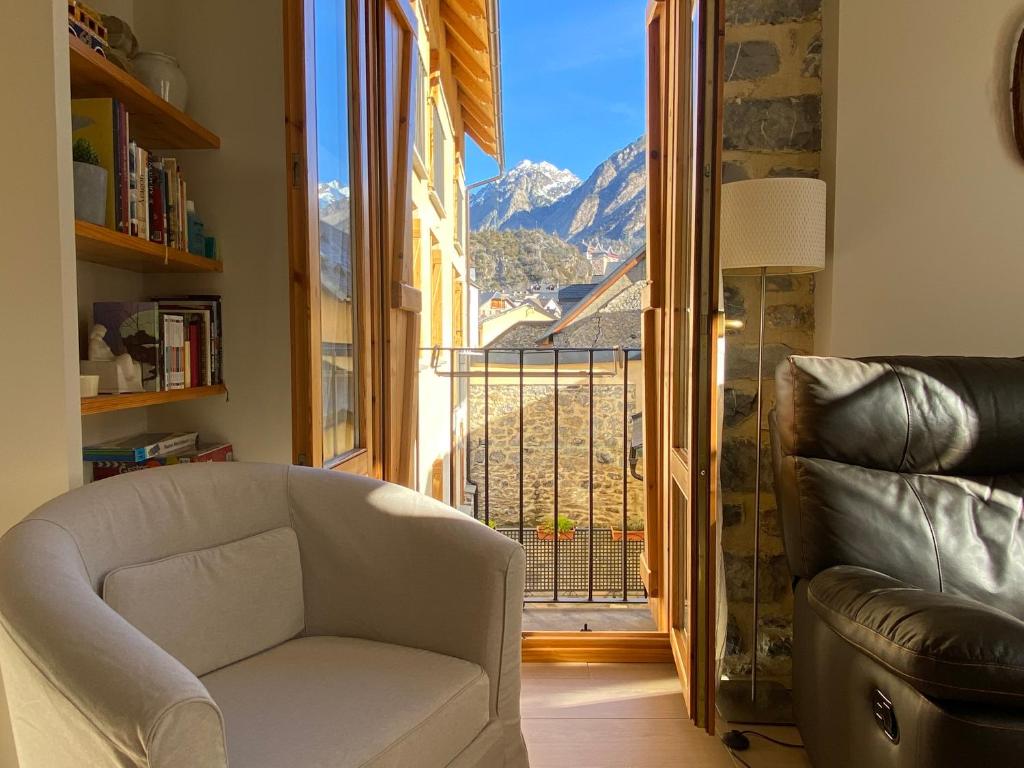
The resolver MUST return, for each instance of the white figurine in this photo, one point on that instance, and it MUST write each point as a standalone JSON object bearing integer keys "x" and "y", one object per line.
{"x": 127, "y": 371}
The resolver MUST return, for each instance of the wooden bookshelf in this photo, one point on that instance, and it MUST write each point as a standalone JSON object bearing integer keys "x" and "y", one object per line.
{"x": 109, "y": 403}
{"x": 154, "y": 123}
{"x": 100, "y": 245}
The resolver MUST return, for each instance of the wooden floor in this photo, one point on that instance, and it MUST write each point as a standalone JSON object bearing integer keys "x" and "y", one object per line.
{"x": 626, "y": 716}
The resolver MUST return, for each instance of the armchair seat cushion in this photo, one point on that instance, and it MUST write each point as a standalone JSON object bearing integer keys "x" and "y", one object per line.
{"x": 948, "y": 647}
{"x": 334, "y": 702}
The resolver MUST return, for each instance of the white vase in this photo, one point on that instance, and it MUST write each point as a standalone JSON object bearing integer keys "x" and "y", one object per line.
{"x": 162, "y": 75}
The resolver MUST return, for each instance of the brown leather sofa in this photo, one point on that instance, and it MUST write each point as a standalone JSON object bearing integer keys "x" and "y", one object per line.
{"x": 900, "y": 484}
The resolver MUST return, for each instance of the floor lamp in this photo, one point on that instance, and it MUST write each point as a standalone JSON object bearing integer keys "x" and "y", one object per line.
{"x": 768, "y": 227}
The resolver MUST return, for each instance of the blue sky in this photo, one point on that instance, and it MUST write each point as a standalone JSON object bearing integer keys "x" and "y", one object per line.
{"x": 573, "y": 82}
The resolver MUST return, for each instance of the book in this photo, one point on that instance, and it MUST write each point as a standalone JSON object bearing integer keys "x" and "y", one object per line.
{"x": 156, "y": 201}
{"x": 133, "y": 327}
{"x": 95, "y": 121}
{"x": 208, "y": 308}
{"x": 141, "y": 447}
{"x": 173, "y": 344}
{"x": 201, "y": 453}
{"x": 133, "y": 189}
{"x": 121, "y": 182}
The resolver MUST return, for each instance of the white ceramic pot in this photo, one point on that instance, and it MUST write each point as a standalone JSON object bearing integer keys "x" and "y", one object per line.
{"x": 162, "y": 75}
{"x": 91, "y": 193}
{"x": 89, "y": 385}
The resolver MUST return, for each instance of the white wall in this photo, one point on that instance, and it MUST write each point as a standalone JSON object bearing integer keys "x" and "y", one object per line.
{"x": 40, "y": 441}
{"x": 928, "y": 189}
{"x": 233, "y": 58}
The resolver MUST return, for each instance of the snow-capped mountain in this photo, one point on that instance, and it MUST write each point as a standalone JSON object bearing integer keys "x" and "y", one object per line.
{"x": 608, "y": 209}
{"x": 528, "y": 186}
{"x": 332, "y": 192}
{"x": 334, "y": 204}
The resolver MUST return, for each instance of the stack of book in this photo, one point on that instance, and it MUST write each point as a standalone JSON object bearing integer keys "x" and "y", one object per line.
{"x": 147, "y": 195}
{"x": 176, "y": 340}
{"x": 142, "y": 451}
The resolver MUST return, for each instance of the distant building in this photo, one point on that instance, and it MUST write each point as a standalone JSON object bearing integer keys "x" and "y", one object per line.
{"x": 593, "y": 316}
{"x": 529, "y": 312}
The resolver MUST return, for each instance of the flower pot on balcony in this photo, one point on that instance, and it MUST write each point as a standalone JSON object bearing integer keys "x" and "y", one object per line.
{"x": 630, "y": 535}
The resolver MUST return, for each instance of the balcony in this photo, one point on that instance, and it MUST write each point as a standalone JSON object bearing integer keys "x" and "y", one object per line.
{"x": 545, "y": 451}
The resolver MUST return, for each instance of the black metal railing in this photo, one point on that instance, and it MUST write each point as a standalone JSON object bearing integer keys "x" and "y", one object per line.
{"x": 548, "y": 443}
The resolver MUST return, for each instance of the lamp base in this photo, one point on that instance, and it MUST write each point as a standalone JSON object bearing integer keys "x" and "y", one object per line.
{"x": 773, "y": 704}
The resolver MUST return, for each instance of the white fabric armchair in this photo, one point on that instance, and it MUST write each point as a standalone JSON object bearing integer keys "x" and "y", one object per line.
{"x": 262, "y": 615}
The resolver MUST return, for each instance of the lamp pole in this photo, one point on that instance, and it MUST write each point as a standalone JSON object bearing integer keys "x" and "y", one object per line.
{"x": 757, "y": 485}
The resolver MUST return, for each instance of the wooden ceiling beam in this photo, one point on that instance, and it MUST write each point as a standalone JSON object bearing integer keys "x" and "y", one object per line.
{"x": 484, "y": 144}
{"x": 461, "y": 27}
{"x": 480, "y": 133}
{"x": 463, "y": 54}
{"x": 472, "y": 85}
{"x": 474, "y": 108}
{"x": 471, "y": 8}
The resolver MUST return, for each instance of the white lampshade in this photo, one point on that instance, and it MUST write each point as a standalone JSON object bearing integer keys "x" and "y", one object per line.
{"x": 773, "y": 224}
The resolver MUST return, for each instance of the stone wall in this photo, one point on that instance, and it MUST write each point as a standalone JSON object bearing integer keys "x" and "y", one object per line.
{"x": 539, "y": 454}
{"x": 772, "y": 128}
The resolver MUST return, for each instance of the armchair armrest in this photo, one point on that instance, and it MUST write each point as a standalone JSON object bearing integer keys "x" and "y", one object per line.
{"x": 386, "y": 563}
{"x": 947, "y": 647}
{"x": 112, "y": 694}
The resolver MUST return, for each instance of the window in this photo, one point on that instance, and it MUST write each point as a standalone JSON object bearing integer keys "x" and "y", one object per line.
{"x": 458, "y": 311}
{"x": 459, "y": 210}
{"x": 417, "y": 251}
{"x": 439, "y": 142}
{"x": 419, "y": 102}
{"x": 436, "y": 297}
{"x": 338, "y": 299}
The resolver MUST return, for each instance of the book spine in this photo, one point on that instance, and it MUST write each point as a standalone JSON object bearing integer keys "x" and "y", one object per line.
{"x": 194, "y": 335}
{"x": 187, "y": 361}
{"x": 173, "y": 444}
{"x": 125, "y": 192}
{"x": 118, "y": 132}
{"x": 133, "y": 189}
{"x": 156, "y": 206}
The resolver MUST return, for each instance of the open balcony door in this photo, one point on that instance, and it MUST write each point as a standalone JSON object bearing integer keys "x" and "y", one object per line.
{"x": 680, "y": 334}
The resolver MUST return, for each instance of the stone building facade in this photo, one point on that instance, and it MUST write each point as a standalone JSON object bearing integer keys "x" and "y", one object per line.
{"x": 539, "y": 453}
{"x": 772, "y": 128}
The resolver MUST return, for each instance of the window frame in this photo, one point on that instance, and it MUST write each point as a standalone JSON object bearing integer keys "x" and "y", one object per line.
{"x": 303, "y": 237}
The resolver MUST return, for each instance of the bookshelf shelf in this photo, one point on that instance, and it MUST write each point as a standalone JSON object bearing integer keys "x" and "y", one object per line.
{"x": 155, "y": 124}
{"x": 100, "y": 245}
{"x": 109, "y": 403}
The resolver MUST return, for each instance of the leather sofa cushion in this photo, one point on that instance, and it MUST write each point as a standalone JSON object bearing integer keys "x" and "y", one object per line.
{"x": 934, "y": 415}
{"x": 947, "y": 647}
{"x": 963, "y": 536}
{"x": 212, "y": 607}
{"x": 337, "y": 702}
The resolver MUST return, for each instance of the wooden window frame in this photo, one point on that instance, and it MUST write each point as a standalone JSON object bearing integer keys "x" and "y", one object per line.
{"x": 387, "y": 305}
{"x": 303, "y": 235}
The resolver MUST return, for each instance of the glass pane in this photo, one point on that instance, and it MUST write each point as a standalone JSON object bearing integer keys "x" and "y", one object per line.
{"x": 682, "y": 311}
{"x": 337, "y": 301}
{"x": 681, "y": 608}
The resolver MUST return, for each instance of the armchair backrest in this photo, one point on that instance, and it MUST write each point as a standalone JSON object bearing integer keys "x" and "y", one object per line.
{"x": 912, "y": 466}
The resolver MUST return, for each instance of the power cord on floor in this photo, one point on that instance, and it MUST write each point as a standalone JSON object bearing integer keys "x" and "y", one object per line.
{"x": 737, "y": 759}
{"x": 766, "y": 737}
{"x": 737, "y": 741}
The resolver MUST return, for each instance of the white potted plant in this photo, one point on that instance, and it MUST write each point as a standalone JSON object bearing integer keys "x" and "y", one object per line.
{"x": 90, "y": 184}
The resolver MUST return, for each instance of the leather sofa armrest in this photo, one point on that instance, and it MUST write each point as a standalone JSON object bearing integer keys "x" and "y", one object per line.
{"x": 947, "y": 647}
